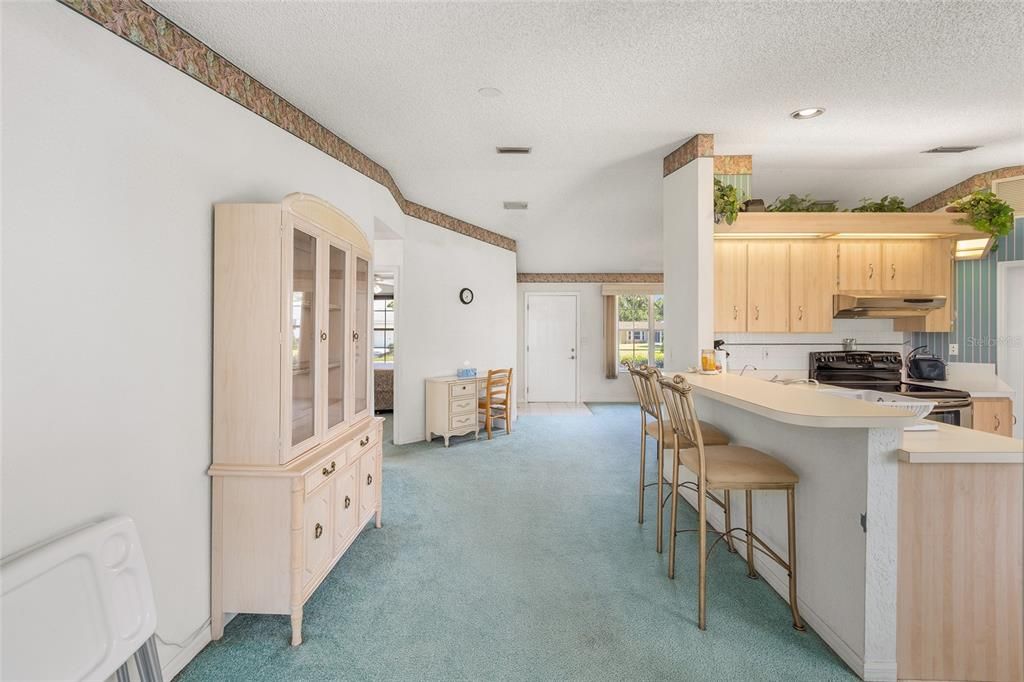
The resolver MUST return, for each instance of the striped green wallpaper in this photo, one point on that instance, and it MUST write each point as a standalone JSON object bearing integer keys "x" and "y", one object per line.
{"x": 740, "y": 182}
{"x": 974, "y": 329}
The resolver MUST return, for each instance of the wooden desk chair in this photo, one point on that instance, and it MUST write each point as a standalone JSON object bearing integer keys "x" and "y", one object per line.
{"x": 497, "y": 399}
{"x": 724, "y": 467}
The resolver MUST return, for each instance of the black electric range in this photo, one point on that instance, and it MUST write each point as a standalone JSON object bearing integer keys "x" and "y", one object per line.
{"x": 883, "y": 371}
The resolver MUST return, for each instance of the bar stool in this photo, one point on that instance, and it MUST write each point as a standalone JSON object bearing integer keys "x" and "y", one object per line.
{"x": 724, "y": 467}
{"x": 645, "y": 382}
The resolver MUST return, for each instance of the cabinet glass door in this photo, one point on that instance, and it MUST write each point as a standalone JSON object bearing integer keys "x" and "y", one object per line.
{"x": 360, "y": 334}
{"x": 304, "y": 336}
{"x": 337, "y": 267}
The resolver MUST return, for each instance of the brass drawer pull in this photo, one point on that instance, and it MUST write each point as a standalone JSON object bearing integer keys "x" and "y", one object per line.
{"x": 323, "y": 336}
{"x": 348, "y": 502}
{"x": 893, "y": 275}
{"x": 800, "y": 315}
{"x": 328, "y": 472}
{"x": 318, "y": 530}
{"x": 871, "y": 270}
{"x": 364, "y": 441}
{"x": 369, "y": 479}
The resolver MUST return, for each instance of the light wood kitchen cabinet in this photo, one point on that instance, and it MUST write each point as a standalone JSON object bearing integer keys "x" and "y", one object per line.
{"x": 812, "y": 279}
{"x": 903, "y": 266}
{"x": 730, "y": 286}
{"x": 994, "y": 415}
{"x": 768, "y": 286}
{"x": 859, "y": 267}
{"x": 938, "y": 275}
{"x": 296, "y": 451}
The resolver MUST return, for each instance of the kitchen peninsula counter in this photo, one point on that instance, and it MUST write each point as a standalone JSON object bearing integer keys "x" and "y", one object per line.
{"x": 866, "y": 505}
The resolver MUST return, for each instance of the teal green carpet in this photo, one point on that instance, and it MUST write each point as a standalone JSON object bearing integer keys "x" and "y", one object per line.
{"x": 521, "y": 558}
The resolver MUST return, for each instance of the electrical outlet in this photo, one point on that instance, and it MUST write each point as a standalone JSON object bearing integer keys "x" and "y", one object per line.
{"x": 954, "y": 349}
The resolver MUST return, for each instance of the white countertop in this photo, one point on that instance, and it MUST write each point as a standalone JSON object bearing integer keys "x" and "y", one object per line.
{"x": 978, "y": 379}
{"x": 955, "y": 445}
{"x": 799, "y": 404}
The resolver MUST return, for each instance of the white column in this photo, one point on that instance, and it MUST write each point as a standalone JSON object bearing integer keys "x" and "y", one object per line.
{"x": 688, "y": 261}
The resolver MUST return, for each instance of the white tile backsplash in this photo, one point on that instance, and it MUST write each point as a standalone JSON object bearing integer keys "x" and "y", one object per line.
{"x": 791, "y": 351}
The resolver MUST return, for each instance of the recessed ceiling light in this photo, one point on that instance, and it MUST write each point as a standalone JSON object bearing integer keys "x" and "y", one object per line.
{"x": 810, "y": 112}
{"x": 489, "y": 92}
{"x": 513, "y": 150}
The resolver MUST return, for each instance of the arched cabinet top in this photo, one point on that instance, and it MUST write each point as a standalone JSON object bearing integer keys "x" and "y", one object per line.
{"x": 321, "y": 213}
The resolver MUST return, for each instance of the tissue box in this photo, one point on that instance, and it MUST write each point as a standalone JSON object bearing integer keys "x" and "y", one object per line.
{"x": 466, "y": 373}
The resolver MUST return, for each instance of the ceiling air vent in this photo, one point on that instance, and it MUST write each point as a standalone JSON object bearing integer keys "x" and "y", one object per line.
{"x": 515, "y": 205}
{"x": 513, "y": 150}
{"x": 949, "y": 150}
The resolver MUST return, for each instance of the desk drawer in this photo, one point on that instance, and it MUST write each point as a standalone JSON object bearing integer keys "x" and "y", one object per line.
{"x": 462, "y": 421}
{"x": 462, "y": 406}
{"x": 462, "y": 390}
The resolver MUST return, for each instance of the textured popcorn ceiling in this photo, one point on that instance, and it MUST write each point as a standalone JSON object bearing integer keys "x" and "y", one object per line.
{"x": 602, "y": 91}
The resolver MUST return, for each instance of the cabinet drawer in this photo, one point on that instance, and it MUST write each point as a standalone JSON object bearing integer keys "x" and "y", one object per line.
{"x": 317, "y": 533}
{"x": 462, "y": 390}
{"x": 462, "y": 406}
{"x": 328, "y": 469}
{"x": 461, "y": 421}
{"x": 365, "y": 440}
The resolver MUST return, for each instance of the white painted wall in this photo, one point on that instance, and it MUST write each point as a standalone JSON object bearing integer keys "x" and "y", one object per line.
{"x": 112, "y": 162}
{"x": 439, "y": 332}
{"x": 594, "y": 387}
{"x": 688, "y": 229}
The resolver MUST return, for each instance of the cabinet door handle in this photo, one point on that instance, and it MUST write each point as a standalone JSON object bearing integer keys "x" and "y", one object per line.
{"x": 348, "y": 502}
{"x": 318, "y": 530}
{"x": 757, "y": 312}
{"x": 369, "y": 479}
{"x": 871, "y": 270}
{"x": 893, "y": 275}
{"x": 735, "y": 312}
{"x": 328, "y": 471}
{"x": 998, "y": 423}
{"x": 355, "y": 336}
{"x": 323, "y": 335}
{"x": 800, "y": 312}
{"x": 364, "y": 441}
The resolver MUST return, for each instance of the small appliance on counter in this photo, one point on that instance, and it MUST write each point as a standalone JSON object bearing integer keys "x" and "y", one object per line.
{"x": 923, "y": 366}
{"x": 882, "y": 371}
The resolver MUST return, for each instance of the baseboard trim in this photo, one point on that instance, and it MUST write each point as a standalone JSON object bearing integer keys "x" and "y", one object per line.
{"x": 870, "y": 671}
{"x": 186, "y": 654}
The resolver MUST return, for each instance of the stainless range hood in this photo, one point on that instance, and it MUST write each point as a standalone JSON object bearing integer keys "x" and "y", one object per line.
{"x": 884, "y": 307}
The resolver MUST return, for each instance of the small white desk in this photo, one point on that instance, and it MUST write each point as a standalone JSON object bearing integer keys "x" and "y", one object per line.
{"x": 452, "y": 406}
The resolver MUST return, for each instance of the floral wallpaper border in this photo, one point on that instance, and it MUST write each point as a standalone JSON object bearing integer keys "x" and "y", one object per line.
{"x": 962, "y": 189}
{"x": 590, "y": 277}
{"x": 701, "y": 144}
{"x": 138, "y": 23}
{"x": 742, "y": 164}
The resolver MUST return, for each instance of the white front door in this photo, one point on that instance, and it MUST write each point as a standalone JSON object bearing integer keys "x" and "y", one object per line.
{"x": 551, "y": 348}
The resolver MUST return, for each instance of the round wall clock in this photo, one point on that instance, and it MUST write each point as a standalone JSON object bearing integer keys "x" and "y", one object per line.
{"x": 466, "y": 295}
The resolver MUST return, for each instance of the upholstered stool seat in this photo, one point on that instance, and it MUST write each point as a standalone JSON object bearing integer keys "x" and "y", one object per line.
{"x": 711, "y": 434}
{"x": 735, "y": 467}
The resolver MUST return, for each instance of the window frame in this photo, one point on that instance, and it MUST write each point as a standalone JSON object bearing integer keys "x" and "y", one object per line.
{"x": 650, "y": 330}
{"x": 389, "y": 315}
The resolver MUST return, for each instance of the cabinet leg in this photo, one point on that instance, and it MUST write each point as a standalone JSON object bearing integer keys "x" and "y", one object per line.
{"x": 297, "y": 626}
{"x": 376, "y": 519}
{"x": 446, "y": 441}
{"x": 217, "y": 624}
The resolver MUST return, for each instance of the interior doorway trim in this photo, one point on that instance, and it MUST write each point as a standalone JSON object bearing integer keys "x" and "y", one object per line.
{"x": 526, "y": 338}
{"x": 1004, "y": 344}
